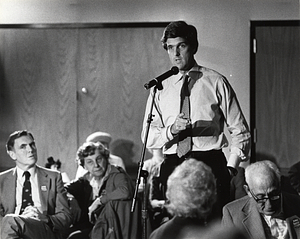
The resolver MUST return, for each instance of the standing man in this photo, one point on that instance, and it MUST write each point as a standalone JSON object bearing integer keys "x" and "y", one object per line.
{"x": 189, "y": 118}
{"x": 33, "y": 201}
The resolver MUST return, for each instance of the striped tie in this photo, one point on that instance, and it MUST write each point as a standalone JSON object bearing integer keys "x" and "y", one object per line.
{"x": 185, "y": 139}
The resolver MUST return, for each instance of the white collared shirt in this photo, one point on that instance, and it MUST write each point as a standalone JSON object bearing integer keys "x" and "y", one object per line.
{"x": 213, "y": 104}
{"x": 34, "y": 189}
{"x": 278, "y": 227}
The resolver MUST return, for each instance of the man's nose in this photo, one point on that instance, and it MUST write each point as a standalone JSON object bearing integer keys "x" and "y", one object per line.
{"x": 30, "y": 148}
{"x": 269, "y": 203}
{"x": 177, "y": 52}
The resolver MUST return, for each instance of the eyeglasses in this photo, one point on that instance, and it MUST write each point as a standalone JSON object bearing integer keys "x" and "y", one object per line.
{"x": 263, "y": 199}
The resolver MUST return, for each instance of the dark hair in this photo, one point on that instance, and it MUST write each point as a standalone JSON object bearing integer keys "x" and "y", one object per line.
{"x": 89, "y": 148}
{"x": 51, "y": 162}
{"x": 180, "y": 29}
{"x": 15, "y": 135}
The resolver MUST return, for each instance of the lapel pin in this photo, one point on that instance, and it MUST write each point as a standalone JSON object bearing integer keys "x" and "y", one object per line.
{"x": 296, "y": 222}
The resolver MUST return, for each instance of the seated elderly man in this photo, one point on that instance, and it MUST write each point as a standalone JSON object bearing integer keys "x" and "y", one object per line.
{"x": 267, "y": 211}
{"x": 103, "y": 186}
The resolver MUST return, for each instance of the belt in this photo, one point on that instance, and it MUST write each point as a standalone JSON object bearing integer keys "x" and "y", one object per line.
{"x": 197, "y": 153}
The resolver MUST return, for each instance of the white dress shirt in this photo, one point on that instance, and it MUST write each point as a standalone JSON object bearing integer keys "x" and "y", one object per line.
{"x": 34, "y": 189}
{"x": 213, "y": 105}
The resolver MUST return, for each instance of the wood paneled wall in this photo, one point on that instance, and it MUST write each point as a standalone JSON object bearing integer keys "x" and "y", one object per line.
{"x": 44, "y": 70}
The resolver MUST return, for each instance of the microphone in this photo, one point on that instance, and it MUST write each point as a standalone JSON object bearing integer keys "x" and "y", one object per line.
{"x": 174, "y": 71}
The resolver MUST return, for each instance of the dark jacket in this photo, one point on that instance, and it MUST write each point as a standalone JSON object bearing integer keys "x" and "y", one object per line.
{"x": 116, "y": 186}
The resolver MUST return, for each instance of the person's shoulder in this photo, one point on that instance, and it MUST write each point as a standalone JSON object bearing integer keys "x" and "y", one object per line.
{"x": 7, "y": 172}
{"x": 210, "y": 72}
{"x": 47, "y": 171}
{"x": 216, "y": 231}
{"x": 164, "y": 230}
{"x": 115, "y": 170}
{"x": 213, "y": 76}
{"x": 238, "y": 203}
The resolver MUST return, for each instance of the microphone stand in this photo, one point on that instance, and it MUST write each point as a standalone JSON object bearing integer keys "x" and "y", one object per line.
{"x": 144, "y": 173}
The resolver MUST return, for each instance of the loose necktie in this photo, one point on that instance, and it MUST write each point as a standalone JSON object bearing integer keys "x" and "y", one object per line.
{"x": 184, "y": 138}
{"x": 26, "y": 192}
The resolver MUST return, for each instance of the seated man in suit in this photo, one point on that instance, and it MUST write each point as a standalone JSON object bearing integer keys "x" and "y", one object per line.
{"x": 33, "y": 200}
{"x": 267, "y": 211}
{"x": 96, "y": 189}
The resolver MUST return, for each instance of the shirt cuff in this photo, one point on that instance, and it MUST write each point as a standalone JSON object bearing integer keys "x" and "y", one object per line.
{"x": 169, "y": 135}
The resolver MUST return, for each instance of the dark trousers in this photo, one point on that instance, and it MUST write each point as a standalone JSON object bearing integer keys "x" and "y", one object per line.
{"x": 218, "y": 163}
{"x": 15, "y": 226}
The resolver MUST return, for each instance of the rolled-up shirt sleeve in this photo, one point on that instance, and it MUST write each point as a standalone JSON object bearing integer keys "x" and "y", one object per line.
{"x": 235, "y": 121}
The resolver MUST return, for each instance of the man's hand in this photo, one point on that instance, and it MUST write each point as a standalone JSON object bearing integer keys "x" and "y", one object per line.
{"x": 157, "y": 203}
{"x": 180, "y": 124}
{"x": 33, "y": 212}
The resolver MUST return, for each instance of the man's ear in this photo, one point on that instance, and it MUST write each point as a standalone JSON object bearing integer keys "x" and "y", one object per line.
{"x": 12, "y": 154}
{"x": 247, "y": 190}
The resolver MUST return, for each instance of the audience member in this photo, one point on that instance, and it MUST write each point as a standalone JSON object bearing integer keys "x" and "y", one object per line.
{"x": 105, "y": 188}
{"x": 33, "y": 200}
{"x": 294, "y": 176}
{"x": 56, "y": 166}
{"x": 191, "y": 193}
{"x": 190, "y": 113}
{"x": 267, "y": 211}
{"x": 156, "y": 211}
{"x": 105, "y": 139}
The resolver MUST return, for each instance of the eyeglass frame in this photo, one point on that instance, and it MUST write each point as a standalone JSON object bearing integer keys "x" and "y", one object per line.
{"x": 263, "y": 200}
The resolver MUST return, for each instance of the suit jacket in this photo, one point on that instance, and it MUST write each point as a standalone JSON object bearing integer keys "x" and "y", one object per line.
{"x": 244, "y": 215}
{"x": 53, "y": 196}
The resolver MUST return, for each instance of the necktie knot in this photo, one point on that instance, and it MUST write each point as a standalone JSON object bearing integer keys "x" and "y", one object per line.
{"x": 185, "y": 87}
{"x": 27, "y": 175}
